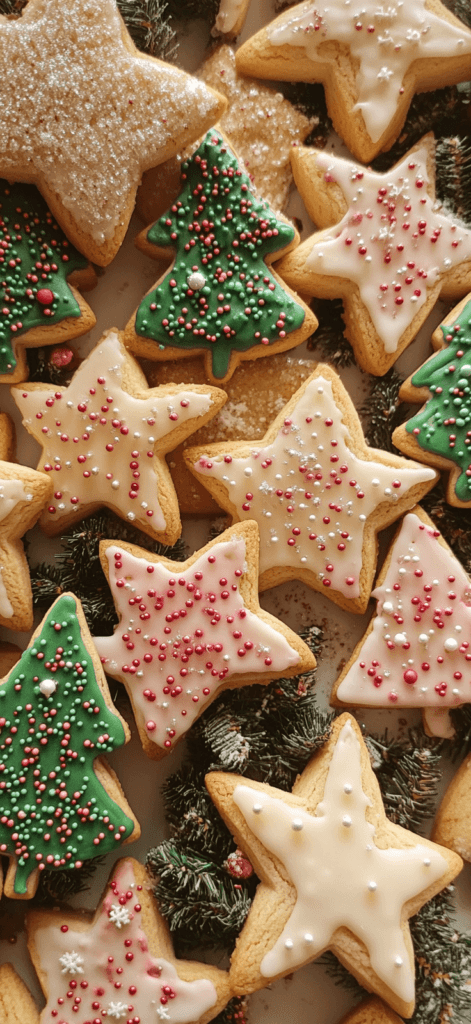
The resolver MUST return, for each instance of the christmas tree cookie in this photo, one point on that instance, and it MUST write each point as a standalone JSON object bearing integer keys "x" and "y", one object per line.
{"x": 335, "y": 872}
{"x": 118, "y": 964}
{"x": 60, "y": 802}
{"x": 384, "y": 248}
{"x": 439, "y": 433}
{"x": 198, "y": 629}
{"x": 371, "y": 60}
{"x": 260, "y": 123}
{"x": 104, "y": 438}
{"x": 41, "y": 273}
{"x": 219, "y": 298}
{"x": 16, "y": 1002}
{"x": 416, "y": 651}
{"x": 84, "y": 113}
{"x": 317, "y": 491}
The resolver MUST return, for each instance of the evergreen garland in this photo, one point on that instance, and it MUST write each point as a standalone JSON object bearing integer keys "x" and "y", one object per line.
{"x": 233, "y": 1013}
{"x": 309, "y": 98}
{"x": 408, "y": 772}
{"x": 330, "y": 337}
{"x": 78, "y": 568}
{"x": 186, "y": 9}
{"x": 453, "y": 174}
{"x": 383, "y": 410}
{"x": 444, "y": 112}
{"x": 149, "y": 26}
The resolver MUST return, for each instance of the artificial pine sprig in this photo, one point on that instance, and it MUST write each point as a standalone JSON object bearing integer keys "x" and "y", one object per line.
{"x": 193, "y": 820}
{"x": 199, "y": 899}
{"x": 444, "y": 112}
{"x": 148, "y": 23}
{"x": 382, "y": 410}
{"x": 78, "y": 569}
{"x": 408, "y": 771}
{"x": 330, "y": 337}
{"x": 453, "y": 174}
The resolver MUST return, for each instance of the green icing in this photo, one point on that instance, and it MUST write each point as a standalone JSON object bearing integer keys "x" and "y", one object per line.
{"x": 443, "y": 426}
{"x": 35, "y": 257}
{"x": 221, "y": 232}
{"x": 48, "y": 787}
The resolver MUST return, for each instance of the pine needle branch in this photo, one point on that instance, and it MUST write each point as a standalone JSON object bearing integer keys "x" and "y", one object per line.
{"x": 148, "y": 24}
{"x": 408, "y": 772}
{"x": 382, "y": 410}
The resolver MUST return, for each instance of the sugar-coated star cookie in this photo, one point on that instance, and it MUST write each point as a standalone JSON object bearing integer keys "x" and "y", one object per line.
{"x": 104, "y": 438}
{"x": 219, "y": 298}
{"x": 439, "y": 433}
{"x": 371, "y": 60}
{"x": 41, "y": 271}
{"x": 335, "y": 872}
{"x": 60, "y": 802}
{"x": 317, "y": 491}
{"x": 255, "y": 394}
{"x": 84, "y": 113}
{"x": 416, "y": 651}
{"x": 23, "y": 495}
{"x": 17, "y": 1005}
{"x": 260, "y": 123}
{"x": 384, "y": 248}
{"x": 452, "y": 825}
{"x": 200, "y": 630}
{"x": 118, "y": 964}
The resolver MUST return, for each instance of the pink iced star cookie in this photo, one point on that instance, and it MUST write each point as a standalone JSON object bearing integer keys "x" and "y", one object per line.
{"x": 318, "y": 493}
{"x": 119, "y": 964}
{"x": 385, "y": 248}
{"x": 189, "y": 630}
{"x": 370, "y": 59}
{"x": 104, "y": 438}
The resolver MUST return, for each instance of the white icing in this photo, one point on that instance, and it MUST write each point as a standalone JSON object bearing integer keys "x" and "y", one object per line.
{"x": 385, "y": 39}
{"x": 63, "y": 954}
{"x": 6, "y": 607}
{"x": 427, "y": 662}
{"x": 342, "y": 879}
{"x": 186, "y": 638}
{"x": 317, "y": 520}
{"x": 99, "y": 440}
{"x": 83, "y": 113}
{"x": 393, "y": 242}
{"x": 229, "y": 11}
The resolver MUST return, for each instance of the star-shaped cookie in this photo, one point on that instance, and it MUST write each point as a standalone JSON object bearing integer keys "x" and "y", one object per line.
{"x": 84, "y": 113}
{"x": 385, "y": 248}
{"x": 318, "y": 493}
{"x": 23, "y": 494}
{"x": 371, "y": 59}
{"x": 119, "y": 963}
{"x": 198, "y": 629}
{"x": 335, "y": 872}
{"x": 16, "y": 1002}
{"x": 104, "y": 438}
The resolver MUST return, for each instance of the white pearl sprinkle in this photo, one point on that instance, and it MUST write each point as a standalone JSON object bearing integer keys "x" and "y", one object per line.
{"x": 346, "y": 821}
{"x": 451, "y": 644}
{"x": 257, "y": 808}
{"x": 48, "y": 687}
{"x": 372, "y": 886}
{"x": 297, "y": 824}
{"x": 347, "y": 787}
{"x": 308, "y": 937}
{"x": 289, "y": 944}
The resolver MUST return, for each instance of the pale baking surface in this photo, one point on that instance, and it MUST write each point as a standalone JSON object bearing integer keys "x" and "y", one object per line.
{"x": 309, "y": 997}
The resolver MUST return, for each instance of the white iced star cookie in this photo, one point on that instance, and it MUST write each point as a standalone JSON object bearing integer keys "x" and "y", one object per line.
{"x": 318, "y": 493}
{"x": 335, "y": 872}
{"x": 415, "y": 652}
{"x": 84, "y": 113}
{"x": 198, "y": 629}
{"x": 384, "y": 247}
{"x": 104, "y": 438}
{"x": 119, "y": 962}
{"x": 23, "y": 495}
{"x": 371, "y": 59}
